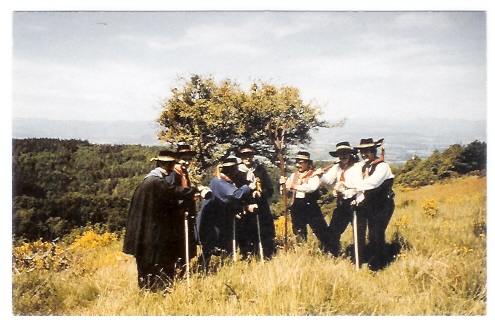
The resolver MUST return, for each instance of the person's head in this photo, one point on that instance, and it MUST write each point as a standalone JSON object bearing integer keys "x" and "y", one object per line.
{"x": 303, "y": 161}
{"x": 344, "y": 152}
{"x": 368, "y": 149}
{"x": 230, "y": 166}
{"x": 246, "y": 153}
{"x": 184, "y": 155}
{"x": 165, "y": 160}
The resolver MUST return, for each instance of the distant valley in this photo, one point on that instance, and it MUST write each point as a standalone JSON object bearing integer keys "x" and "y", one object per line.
{"x": 403, "y": 139}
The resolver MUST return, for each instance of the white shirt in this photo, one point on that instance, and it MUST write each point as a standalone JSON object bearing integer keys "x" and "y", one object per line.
{"x": 301, "y": 189}
{"x": 382, "y": 173}
{"x": 351, "y": 177}
{"x": 334, "y": 174}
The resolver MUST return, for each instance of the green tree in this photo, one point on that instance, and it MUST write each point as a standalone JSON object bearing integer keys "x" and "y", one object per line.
{"x": 472, "y": 158}
{"x": 215, "y": 118}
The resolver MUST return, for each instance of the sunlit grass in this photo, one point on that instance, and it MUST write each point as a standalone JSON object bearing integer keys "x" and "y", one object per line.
{"x": 440, "y": 270}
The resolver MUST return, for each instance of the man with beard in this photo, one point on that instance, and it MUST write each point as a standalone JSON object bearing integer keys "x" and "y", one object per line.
{"x": 305, "y": 209}
{"x": 376, "y": 209}
{"x": 342, "y": 175}
{"x": 153, "y": 226}
{"x": 218, "y": 215}
{"x": 186, "y": 210}
{"x": 257, "y": 228}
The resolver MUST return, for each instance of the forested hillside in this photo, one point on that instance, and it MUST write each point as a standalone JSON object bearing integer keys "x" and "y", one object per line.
{"x": 61, "y": 185}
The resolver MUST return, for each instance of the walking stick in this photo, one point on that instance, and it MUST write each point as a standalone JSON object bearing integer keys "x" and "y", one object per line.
{"x": 186, "y": 231}
{"x": 382, "y": 154}
{"x": 356, "y": 244}
{"x": 277, "y": 138}
{"x": 233, "y": 239}
{"x": 260, "y": 245}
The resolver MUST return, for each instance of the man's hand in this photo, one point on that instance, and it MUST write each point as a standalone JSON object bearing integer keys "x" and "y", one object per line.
{"x": 340, "y": 187}
{"x": 359, "y": 199}
{"x": 253, "y": 208}
{"x": 205, "y": 192}
{"x": 256, "y": 194}
{"x": 350, "y": 192}
{"x": 318, "y": 172}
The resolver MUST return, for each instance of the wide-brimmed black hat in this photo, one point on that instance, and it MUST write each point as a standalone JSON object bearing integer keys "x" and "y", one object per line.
{"x": 303, "y": 155}
{"x": 185, "y": 149}
{"x": 164, "y": 155}
{"x": 342, "y": 146}
{"x": 246, "y": 149}
{"x": 368, "y": 143}
{"x": 230, "y": 161}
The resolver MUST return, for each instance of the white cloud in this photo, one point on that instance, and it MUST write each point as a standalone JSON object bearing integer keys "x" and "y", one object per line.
{"x": 422, "y": 20}
{"x": 106, "y": 90}
{"x": 243, "y": 38}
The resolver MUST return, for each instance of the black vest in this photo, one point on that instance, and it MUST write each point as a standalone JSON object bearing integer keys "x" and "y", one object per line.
{"x": 382, "y": 192}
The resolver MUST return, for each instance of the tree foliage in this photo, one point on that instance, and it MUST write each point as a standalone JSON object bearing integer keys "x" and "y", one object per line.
{"x": 215, "y": 118}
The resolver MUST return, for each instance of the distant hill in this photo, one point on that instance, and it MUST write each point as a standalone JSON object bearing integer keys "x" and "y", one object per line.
{"x": 100, "y": 132}
{"x": 403, "y": 139}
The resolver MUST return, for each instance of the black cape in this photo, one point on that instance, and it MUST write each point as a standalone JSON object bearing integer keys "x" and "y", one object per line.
{"x": 152, "y": 223}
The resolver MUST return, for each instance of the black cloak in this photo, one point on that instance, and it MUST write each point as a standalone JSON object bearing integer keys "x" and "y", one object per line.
{"x": 152, "y": 235}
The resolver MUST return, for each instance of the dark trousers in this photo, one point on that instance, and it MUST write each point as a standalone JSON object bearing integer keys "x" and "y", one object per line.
{"x": 249, "y": 238}
{"x": 154, "y": 277}
{"x": 306, "y": 213}
{"x": 341, "y": 217}
{"x": 374, "y": 216}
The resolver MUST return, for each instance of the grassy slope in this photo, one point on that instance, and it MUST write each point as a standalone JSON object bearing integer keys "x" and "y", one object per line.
{"x": 441, "y": 270}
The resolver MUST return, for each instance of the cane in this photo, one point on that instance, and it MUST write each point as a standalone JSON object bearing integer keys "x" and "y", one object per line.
{"x": 260, "y": 246}
{"x": 186, "y": 231}
{"x": 259, "y": 239}
{"x": 356, "y": 245}
{"x": 233, "y": 239}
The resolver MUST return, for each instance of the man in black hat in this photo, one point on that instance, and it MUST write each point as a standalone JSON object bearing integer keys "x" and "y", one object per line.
{"x": 376, "y": 209}
{"x": 186, "y": 208}
{"x": 152, "y": 233}
{"x": 253, "y": 172}
{"x": 218, "y": 215}
{"x": 342, "y": 175}
{"x": 305, "y": 193}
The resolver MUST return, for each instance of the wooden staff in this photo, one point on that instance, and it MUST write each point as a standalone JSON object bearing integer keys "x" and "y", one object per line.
{"x": 277, "y": 138}
{"x": 233, "y": 239}
{"x": 326, "y": 168}
{"x": 186, "y": 233}
{"x": 260, "y": 245}
{"x": 356, "y": 245}
{"x": 382, "y": 141}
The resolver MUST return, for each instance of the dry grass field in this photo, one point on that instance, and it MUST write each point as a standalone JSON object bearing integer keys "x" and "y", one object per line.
{"x": 440, "y": 269}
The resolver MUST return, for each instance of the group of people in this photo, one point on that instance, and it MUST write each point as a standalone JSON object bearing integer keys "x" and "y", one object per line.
{"x": 164, "y": 227}
{"x": 362, "y": 188}
{"x": 238, "y": 216}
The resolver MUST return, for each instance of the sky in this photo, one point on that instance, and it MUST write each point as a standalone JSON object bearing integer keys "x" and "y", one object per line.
{"x": 104, "y": 65}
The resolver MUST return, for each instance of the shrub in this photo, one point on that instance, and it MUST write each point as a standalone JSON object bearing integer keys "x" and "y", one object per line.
{"x": 429, "y": 207}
